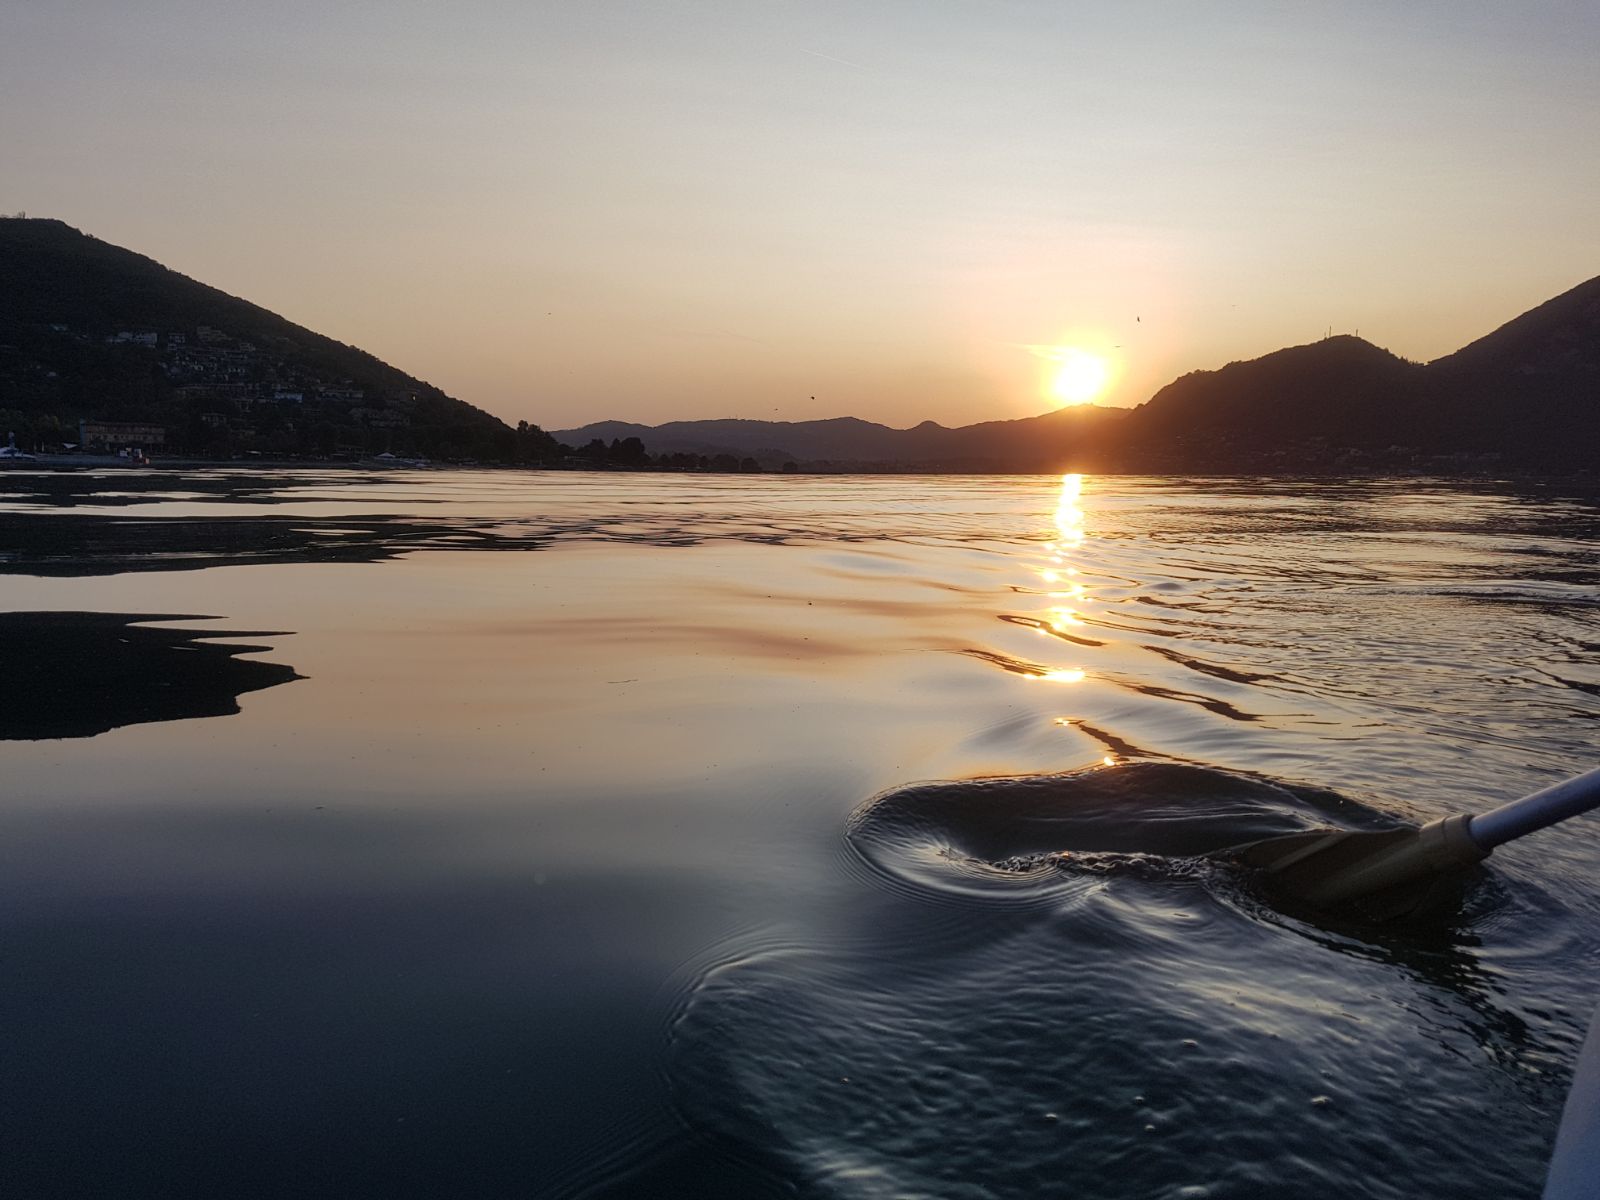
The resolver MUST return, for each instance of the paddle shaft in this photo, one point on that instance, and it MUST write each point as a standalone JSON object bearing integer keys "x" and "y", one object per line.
{"x": 1556, "y": 803}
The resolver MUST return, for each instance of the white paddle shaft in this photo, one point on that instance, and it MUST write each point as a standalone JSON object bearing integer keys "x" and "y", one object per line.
{"x": 1555, "y": 803}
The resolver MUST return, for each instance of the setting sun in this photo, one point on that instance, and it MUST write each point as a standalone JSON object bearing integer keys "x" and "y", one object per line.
{"x": 1080, "y": 376}
{"x": 1075, "y": 374}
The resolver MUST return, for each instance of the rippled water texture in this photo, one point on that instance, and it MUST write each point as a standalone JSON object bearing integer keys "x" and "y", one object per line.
{"x": 498, "y": 834}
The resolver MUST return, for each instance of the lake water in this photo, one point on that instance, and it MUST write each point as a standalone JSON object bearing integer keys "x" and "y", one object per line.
{"x": 490, "y": 834}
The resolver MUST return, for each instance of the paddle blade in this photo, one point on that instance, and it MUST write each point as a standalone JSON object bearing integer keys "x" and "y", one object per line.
{"x": 1393, "y": 869}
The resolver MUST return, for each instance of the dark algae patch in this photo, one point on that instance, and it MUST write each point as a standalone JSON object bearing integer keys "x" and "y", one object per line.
{"x": 78, "y": 674}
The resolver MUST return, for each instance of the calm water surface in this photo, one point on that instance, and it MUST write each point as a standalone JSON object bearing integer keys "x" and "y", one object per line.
{"x": 491, "y": 834}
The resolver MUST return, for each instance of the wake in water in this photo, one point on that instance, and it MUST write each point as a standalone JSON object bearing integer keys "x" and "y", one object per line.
{"x": 1008, "y": 836}
{"x": 1054, "y": 992}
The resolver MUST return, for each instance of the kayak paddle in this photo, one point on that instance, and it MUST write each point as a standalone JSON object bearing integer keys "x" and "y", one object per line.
{"x": 1393, "y": 872}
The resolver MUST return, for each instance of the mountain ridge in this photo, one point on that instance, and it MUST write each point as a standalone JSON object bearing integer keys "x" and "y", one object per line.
{"x": 981, "y": 445}
{"x": 92, "y": 330}
{"x": 1339, "y": 401}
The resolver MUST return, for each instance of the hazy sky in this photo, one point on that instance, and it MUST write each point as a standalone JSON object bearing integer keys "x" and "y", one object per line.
{"x": 568, "y": 212}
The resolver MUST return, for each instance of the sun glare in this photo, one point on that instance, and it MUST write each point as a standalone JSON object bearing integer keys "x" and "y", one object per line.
{"x": 1080, "y": 376}
{"x": 1076, "y": 374}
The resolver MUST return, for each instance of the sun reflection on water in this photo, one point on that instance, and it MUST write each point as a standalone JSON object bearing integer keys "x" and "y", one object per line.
{"x": 1069, "y": 537}
{"x": 1069, "y": 517}
{"x": 1069, "y": 596}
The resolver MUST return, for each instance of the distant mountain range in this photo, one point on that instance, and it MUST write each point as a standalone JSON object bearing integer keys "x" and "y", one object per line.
{"x": 1525, "y": 396}
{"x": 92, "y": 332}
{"x": 1028, "y": 444}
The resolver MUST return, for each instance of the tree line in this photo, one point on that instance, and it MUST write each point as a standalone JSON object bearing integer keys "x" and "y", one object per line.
{"x": 628, "y": 454}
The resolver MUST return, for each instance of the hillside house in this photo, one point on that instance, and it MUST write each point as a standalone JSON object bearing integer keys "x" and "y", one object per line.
{"x": 119, "y": 435}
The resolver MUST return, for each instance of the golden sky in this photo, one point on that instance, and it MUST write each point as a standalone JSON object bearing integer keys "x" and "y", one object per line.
{"x": 570, "y": 212}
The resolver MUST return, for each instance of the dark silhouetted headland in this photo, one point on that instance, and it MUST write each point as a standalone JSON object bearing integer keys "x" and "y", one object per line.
{"x": 89, "y": 330}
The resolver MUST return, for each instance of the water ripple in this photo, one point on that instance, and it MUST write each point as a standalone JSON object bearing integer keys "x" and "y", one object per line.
{"x": 1101, "y": 988}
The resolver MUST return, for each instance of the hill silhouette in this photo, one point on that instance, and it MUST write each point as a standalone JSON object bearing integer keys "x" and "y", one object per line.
{"x": 1031, "y": 443}
{"x": 90, "y": 330}
{"x": 1526, "y": 396}
{"x": 1335, "y": 397}
{"x": 1330, "y": 388}
{"x": 1532, "y": 384}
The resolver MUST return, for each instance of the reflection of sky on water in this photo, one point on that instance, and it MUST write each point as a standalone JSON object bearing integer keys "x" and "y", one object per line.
{"x": 439, "y": 901}
{"x": 1235, "y": 626}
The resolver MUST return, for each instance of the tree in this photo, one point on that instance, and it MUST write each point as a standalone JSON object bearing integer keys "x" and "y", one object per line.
{"x": 532, "y": 444}
{"x": 628, "y": 452}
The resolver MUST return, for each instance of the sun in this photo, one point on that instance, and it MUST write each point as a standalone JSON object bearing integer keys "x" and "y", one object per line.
{"x": 1078, "y": 369}
{"x": 1080, "y": 375}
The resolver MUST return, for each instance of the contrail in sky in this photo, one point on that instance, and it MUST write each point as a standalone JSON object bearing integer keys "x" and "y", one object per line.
{"x": 843, "y": 61}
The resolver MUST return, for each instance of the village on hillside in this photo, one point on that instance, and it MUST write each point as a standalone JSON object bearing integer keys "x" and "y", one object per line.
{"x": 230, "y": 390}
